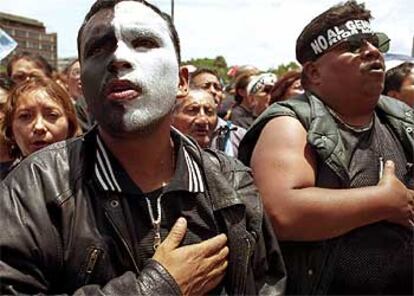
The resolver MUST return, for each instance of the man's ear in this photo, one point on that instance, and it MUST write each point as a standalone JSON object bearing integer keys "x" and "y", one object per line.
{"x": 183, "y": 84}
{"x": 311, "y": 72}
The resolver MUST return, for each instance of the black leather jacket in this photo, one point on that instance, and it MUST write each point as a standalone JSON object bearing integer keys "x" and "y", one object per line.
{"x": 60, "y": 236}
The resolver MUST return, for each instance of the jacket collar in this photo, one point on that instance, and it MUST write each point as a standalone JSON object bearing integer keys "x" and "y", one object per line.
{"x": 401, "y": 119}
{"x": 327, "y": 141}
{"x": 108, "y": 174}
{"x": 216, "y": 173}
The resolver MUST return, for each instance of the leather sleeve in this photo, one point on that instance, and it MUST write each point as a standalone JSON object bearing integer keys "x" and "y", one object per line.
{"x": 267, "y": 266}
{"x": 30, "y": 246}
{"x": 153, "y": 280}
{"x": 267, "y": 273}
{"x": 31, "y": 255}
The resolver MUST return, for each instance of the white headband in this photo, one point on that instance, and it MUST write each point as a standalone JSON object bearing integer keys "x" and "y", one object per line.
{"x": 259, "y": 82}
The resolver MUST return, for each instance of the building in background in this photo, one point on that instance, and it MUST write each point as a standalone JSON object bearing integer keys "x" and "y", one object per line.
{"x": 31, "y": 36}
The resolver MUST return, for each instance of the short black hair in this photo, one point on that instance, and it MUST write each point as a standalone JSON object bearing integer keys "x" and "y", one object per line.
{"x": 395, "y": 77}
{"x": 200, "y": 71}
{"x": 335, "y": 15}
{"x": 102, "y": 4}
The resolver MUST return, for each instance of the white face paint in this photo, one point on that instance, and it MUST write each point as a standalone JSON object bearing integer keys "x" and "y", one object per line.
{"x": 130, "y": 72}
{"x": 144, "y": 42}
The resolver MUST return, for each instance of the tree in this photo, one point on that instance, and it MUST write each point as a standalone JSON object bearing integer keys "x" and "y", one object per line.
{"x": 283, "y": 68}
{"x": 217, "y": 64}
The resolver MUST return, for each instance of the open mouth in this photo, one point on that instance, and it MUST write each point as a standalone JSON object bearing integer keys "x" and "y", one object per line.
{"x": 376, "y": 67}
{"x": 39, "y": 144}
{"x": 121, "y": 90}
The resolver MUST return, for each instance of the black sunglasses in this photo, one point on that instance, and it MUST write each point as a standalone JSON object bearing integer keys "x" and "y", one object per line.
{"x": 356, "y": 42}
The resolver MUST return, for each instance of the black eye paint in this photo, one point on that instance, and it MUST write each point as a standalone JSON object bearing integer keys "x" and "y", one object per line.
{"x": 105, "y": 43}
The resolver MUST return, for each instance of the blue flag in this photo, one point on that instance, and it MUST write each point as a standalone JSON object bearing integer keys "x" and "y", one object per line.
{"x": 7, "y": 44}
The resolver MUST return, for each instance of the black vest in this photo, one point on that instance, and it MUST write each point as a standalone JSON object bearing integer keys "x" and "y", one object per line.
{"x": 310, "y": 265}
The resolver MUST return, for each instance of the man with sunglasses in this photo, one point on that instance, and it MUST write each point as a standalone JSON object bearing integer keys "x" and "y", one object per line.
{"x": 334, "y": 165}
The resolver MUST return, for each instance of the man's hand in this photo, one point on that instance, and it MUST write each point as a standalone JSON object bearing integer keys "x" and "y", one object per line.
{"x": 197, "y": 268}
{"x": 400, "y": 198}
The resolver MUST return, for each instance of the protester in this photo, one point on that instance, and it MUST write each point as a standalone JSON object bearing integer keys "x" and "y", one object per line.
{"x": 259, "y": 89}
{"x": 235, "y": 73}
{"x": 209, "y": 80}
{"x": 72, "y": 72}
{"x": 287, "y": 86}
{"x": 196, "y": 115}
{"x": 133, "y": 207}
{"x": 399, "y": 83}
{"x": 227, "y": 135}
{"x": 242, "y": 112}
{"x": 26, "y": 65}
{"x": 38, "y": 112}
{"x": 334, "y": 166}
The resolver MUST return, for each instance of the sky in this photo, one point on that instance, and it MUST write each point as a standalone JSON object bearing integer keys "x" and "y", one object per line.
{"x": 257, "y": 32}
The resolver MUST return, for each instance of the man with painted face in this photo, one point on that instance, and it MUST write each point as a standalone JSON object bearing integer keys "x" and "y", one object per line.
{"x": 133, "y": 207}
{"x": 334, "y": 166}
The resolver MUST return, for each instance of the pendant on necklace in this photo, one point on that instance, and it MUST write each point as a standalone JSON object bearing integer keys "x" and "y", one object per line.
{"x": 156, "y": 223}
{"x": 157, "y": 235}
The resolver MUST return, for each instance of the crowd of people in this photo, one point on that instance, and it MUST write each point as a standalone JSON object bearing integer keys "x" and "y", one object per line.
{"x": 130, "y": 173}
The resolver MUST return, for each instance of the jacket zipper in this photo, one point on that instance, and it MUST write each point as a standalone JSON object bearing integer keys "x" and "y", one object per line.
{"x": 93, "y": 258}
{"x": 242, "y": 284}
{"x": 123, "y": 242}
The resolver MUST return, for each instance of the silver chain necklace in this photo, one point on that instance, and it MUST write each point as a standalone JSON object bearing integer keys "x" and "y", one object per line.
{"x": 156, "y": 223}
{"x": 364, "y": 129}
{"x": 352, "y": 128}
